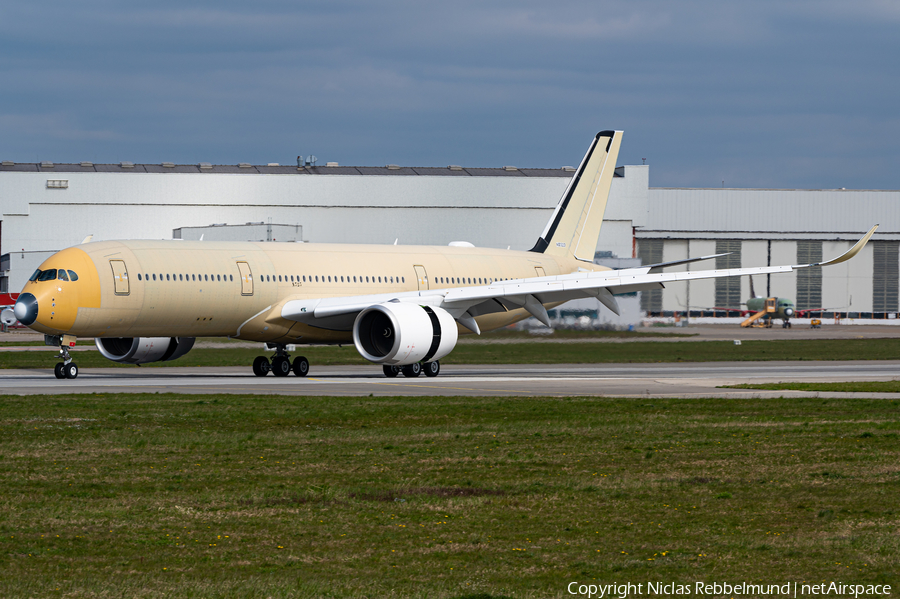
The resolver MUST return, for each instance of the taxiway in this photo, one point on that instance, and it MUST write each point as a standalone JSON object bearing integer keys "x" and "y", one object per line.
{"x": 614, "y": 380}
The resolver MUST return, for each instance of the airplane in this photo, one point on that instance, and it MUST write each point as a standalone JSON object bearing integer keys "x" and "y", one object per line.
{"x": 766, "y": 309}
{"x": 403, "y": 307}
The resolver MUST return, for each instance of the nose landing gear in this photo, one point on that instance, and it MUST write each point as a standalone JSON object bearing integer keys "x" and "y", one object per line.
{"x": 67, "y": 369}
{"x": 281, "y": 364}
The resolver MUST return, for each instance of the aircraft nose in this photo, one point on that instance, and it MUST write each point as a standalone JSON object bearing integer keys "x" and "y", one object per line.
{"x": 788, "y": 311}
{"x": 26, "y": 309}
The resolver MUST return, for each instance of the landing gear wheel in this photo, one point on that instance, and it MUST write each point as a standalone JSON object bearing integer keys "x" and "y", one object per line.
{"x": 59, "y": 371}
{"x": 391, "y": 371}
{"x": 71, "y": 370}
{"x": 411, "y": 371}
{"x": 281, "y": 366}
{"x": 789, "y": 324}
{"x": 432, "y": 369}
{"x": 261, "y": 366}
{"x": 301, "y": 366}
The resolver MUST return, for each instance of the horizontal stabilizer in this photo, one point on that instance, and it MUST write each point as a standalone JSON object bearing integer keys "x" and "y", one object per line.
{"x": 658, "y": 267}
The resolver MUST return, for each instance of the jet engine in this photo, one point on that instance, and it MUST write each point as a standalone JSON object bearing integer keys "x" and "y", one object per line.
{"x": 398, "y": 334}
{"x": 140, "y": 350}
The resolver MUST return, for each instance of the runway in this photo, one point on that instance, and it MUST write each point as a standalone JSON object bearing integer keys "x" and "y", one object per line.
{"x": 613, "y": 380}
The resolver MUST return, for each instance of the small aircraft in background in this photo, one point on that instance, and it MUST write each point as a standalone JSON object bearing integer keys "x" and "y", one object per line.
{"x": 761, "y": 311}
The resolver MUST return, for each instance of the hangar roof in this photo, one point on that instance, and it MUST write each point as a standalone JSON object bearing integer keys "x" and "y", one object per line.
{"x": 249, "y": 169}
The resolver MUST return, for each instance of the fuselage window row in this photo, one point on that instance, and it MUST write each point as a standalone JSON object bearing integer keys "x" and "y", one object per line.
{"x": 64, "y": 275}
{"x": 181, "y": 277}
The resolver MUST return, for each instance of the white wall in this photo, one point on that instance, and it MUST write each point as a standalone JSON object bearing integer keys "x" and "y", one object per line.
{"x": 753, "y": 253}
{"x": 784, "y": 284}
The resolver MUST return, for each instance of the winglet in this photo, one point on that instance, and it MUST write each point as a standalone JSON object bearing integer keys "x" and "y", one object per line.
{"x": 848, "y": 254}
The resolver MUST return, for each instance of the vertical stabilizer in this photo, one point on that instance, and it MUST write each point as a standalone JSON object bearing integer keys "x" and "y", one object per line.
{"x": 574, "y": 227}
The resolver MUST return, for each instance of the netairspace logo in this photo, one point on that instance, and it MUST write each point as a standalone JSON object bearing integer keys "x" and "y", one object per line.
{"x": 715, "y": 589}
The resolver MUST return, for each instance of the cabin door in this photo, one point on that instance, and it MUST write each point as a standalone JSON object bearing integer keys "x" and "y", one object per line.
{"x": 421, "y": 277}
{"x": 246, "y": 278}
{"x": 120, "y": 276}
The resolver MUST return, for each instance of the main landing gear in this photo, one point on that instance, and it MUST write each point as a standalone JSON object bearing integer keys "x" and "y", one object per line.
{"x": 67, "y": 369}
{"x": 281, "y": 364}
{"x": 431, "y": 369}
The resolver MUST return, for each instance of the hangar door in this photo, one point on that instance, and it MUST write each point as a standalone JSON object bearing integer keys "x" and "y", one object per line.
{"x": 120, "y": 276}
{"x": 246, "y": 278}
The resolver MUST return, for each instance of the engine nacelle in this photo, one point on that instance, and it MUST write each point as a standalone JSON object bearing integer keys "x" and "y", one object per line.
{"x": 398, "y": 334}
{"x": 140, "y": 350}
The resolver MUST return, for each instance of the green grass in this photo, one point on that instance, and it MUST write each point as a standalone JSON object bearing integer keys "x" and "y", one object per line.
{"x": 531, "y": 353}
{"x": 239, "y": 496}
{"x": 851, "y": 387}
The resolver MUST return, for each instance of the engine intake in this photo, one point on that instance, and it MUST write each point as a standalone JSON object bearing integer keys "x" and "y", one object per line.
{"x": 140, "y": 350}
{"x": 399, "y": 334}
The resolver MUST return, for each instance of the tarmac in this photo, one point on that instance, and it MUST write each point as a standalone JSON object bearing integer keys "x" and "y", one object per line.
{"x": 687, "y": 380}
{"x": 612, "y": 380}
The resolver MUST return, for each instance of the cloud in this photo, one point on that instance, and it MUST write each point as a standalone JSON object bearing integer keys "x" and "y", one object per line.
{"x": 726, "y": 86}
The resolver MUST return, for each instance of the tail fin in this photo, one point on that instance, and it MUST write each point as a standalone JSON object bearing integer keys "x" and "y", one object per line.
{"x": 575, "y": 224}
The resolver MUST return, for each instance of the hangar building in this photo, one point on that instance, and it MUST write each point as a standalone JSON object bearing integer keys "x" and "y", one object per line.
{"x": 45, "y": 207}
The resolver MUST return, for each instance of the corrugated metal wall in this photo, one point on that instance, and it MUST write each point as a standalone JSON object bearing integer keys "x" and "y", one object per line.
{"x": 885, "y": 277}
{"x": 728, "y": 290}
{"x": 809, "y": 280}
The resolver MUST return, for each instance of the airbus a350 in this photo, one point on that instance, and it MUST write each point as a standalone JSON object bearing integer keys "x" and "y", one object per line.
{"x": 403, "y": 307}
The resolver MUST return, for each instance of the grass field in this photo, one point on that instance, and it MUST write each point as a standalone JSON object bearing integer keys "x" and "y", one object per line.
{"x": 850, "y": 387}
{"x": 528, "y": 353}
{"x": 234, "y": 496}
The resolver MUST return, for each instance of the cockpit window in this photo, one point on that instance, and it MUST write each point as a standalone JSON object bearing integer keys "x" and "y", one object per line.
{"x": 36, "y": 274}
{"x": 62, "y": 275}
{"x": 48, "y": 275}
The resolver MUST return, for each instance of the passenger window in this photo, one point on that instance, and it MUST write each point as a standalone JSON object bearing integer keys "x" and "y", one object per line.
{"x": 36, "y": 274}
{"x": 367, "y": 279}
{"x": 206, "y": 277}
{"x": 139, "y": 276}
{"x": 392, "y": 279}
{"x": 154, "y": 276}
{"x": 218, "y": 277}
{"x": 304, "y": 278}
{"x": 379, "y": 279}
{"x": 167, "y": 276}
{"x": 404, "y": 279}
{"x": 48, "y": 275}
{"x": 231, "y": 277}
{"x": 354, "y": 278}
{"x": 62, "y": 275}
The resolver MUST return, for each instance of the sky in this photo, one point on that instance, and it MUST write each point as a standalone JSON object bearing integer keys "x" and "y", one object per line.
{"x": 786, "y": 94}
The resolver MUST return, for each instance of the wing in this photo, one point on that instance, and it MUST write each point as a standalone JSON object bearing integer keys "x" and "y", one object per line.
{"x": 465, "y": 303}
